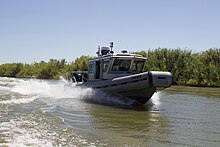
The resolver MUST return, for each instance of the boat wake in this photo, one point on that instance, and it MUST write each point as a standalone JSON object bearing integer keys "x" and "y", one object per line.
{"x": 20, "y": 91}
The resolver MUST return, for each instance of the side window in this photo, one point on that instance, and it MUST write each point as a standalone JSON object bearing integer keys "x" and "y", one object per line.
{"x": 105, "y": 65}
{"x": 91, "y": 68}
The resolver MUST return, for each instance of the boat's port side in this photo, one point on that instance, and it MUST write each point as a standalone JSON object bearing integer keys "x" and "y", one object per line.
{"x": 137, "y": 81}
{"x": 139, "y": 87}
{"x": 121, "y": 83}
{"x": 136, "y": 87}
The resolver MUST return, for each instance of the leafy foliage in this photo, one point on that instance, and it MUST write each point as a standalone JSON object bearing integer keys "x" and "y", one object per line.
{"x": 52, "y": 69}
{"x": 196, "y": 69}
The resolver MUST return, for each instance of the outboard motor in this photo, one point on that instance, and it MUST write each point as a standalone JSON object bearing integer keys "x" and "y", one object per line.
{"x": 76, "y": 77}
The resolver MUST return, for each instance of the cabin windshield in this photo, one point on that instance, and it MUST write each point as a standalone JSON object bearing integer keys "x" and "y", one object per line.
{"x": 121, "y": 65}
{"x": 138, "y": 65}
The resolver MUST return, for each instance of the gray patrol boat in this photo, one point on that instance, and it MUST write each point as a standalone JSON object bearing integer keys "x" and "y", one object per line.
{"x": 122, "y": 74}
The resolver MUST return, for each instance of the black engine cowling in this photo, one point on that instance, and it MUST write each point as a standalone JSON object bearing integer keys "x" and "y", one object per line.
{"x": 78, "y": 77}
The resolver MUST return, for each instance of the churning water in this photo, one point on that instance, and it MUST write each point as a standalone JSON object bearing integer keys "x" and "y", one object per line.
{"x": 48, "y": 113}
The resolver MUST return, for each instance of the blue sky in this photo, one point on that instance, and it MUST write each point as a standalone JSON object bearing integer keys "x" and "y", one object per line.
{"x": 35, "y": 30}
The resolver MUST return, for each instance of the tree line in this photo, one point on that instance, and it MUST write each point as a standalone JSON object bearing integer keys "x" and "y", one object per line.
{"x": 188, "y": 68}
{"x": 194, "y": 69}
{"x": 52, "y": 69}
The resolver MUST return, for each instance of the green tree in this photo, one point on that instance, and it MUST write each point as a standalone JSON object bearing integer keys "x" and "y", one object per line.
{"x": 10, "y": 70}
{"x": 81, "y": 64}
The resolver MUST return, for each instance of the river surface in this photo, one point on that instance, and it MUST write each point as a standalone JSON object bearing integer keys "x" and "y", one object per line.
{"x": 46, "y": 113}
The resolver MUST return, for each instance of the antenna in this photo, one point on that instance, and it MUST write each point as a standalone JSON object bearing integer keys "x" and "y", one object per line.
{"x": 98, "y": 52}
{"x": 111, "y": 46}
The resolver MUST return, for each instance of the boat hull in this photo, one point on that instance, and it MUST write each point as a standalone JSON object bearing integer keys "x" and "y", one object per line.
{"x": 138, "y": 87}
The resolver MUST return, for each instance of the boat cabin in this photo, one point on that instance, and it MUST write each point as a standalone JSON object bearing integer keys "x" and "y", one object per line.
{"x": 108, "y": 65}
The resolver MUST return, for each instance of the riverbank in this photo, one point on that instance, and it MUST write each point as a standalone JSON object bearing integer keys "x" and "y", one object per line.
{"x": 192, "y": 69}
{"x": 213, "y": 92}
